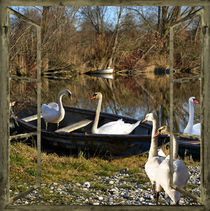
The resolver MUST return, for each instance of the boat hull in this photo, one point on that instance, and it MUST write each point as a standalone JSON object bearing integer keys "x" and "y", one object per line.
{"x": 82, "y": 140}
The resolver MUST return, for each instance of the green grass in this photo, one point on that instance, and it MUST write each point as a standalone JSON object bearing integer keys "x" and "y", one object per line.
{"x": 65, "y": 169}
{"x": 69, "y": 170}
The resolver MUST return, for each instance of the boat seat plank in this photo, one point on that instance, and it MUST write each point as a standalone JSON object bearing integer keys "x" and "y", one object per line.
{"x": 30, "y": 118}
{"x": 74, "y": 126}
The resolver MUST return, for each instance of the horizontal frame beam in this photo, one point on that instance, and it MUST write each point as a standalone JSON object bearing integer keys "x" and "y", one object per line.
{"x": 105, "y": 208}
{"x": 107, "y": 2}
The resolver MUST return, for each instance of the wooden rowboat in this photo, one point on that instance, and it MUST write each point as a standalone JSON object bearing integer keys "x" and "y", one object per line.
{"x": 74, "y": 133}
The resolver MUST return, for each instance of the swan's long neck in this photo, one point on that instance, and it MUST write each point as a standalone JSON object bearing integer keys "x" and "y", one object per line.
{"x": 98, "y": 110}
{"x": 175, "y": 148}
{"x": 191, "y": 118}
{"x": 153, "y": 147}
{"x": 59, "y": 100}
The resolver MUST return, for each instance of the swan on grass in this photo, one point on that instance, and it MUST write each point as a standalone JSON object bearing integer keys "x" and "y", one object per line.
{"x": 180, "y": 174}
{"x": 114, "y": 127}
{"x": 190, "y": 128}
{"x": 54, "y": 112}
{"x": 154, "y": 161}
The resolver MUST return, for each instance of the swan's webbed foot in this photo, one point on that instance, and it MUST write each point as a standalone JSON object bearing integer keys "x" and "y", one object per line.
{"x": 153, "y": 190}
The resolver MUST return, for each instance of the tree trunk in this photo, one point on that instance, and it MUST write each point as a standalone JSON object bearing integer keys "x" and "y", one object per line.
{"x": 110, "y": 63}
{"x": 44, "y": 32}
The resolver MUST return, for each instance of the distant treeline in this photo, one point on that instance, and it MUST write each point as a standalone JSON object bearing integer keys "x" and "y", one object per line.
{"x": 87, "y": 38}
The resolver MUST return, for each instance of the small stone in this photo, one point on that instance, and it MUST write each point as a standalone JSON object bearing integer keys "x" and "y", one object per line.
{"x": 111, "y": 182}
{"x": 86, "y": 184}
{"x": 100, "y": 198}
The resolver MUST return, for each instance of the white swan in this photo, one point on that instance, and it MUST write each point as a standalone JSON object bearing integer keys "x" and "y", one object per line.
{"x": 180, "y": 174}
{"x": 54, "y": 112}
{"x": 190, "y": 128}
{"x": 154, "y": 161}
{"x": 114, "y": 127}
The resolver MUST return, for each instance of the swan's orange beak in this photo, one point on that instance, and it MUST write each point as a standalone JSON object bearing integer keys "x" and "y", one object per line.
{"x": 156, "y": 135}
{"x": 93, "y": 97}
{"x": 195, "y": 101}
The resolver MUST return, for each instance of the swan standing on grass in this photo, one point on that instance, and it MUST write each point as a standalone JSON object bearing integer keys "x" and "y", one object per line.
{"x": 54, "y": 112}
{"x": 114, "y": 127}
{"x": 153, "y": 163}
{"x": 180, "y": 174}
{"x": 192, "y": 129}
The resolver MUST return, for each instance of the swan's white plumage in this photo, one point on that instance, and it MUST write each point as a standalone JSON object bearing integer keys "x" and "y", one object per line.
{"x": 152, "y": 166}
{"x": 54, "y": 112}
{"x": 154, "y": 161}
{"x": 190, "y": 128}
{"x": 180, "y": 174}
{"x": 50, "y": 112}
{"x": 161, "y": 153}
{"x": 180, "y": 177}
{"x": 115, "y": 127}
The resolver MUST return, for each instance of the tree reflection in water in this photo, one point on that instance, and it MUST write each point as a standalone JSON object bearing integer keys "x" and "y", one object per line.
{"x": 128, "y": 96}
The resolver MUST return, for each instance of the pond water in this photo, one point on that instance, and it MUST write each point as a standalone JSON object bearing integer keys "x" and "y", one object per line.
{"x": 124, "y": 95}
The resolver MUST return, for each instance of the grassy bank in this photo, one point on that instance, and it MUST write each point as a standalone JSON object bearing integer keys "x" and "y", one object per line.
{"x": 69, "y": 170}
{"x": 57, "y": 169}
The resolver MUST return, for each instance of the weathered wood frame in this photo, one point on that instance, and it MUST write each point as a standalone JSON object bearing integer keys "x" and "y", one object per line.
{"x": 38, "y": 81}
{"x": 4, "y": 98}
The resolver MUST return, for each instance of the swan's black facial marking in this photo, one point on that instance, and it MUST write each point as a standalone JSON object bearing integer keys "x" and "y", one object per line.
{"x": 162, "y": 129}
{"x": 94, "y": 96}
{"x": 69, "y": 94}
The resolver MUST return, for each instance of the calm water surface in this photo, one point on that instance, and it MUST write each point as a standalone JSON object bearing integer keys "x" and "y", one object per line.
{"x": 128, "y": 96}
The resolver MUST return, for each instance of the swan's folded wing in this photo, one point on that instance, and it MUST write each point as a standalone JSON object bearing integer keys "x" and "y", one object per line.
{"x": 181, "y": 174}
{"x": 53, "y": 106}
{"x": 117, "y": 127}
{"x": 197, "y": 129}
{"x": 111, "y": 127}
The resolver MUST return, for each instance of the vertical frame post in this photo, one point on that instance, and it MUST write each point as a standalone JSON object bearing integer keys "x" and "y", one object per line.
{"x": 38, "y": 28}
{"x": 205, "y": 108}
{"x": 4, "y": 105}
{"x": 171, "y": 54}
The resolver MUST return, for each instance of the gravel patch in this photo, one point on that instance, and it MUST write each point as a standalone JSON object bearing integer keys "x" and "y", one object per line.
{"x": 120, "y": 189}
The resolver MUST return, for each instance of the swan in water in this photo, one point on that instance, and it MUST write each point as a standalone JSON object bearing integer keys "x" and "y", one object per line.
{"x": 190, "y": 128}
{"x": 54, "y": 112}
{"x": 180, "y": 174}
{"x": 154, "y": 161}
{"x": 114, "y": 127}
